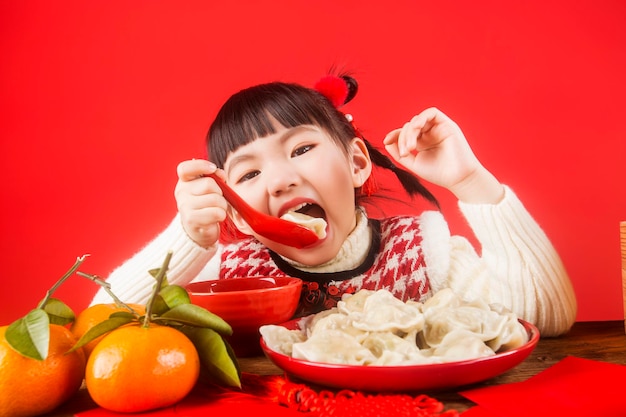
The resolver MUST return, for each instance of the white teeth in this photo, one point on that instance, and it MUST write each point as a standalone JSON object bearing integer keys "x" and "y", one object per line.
{"x": 296, "y": 208}
{"x": 315, "y": 224}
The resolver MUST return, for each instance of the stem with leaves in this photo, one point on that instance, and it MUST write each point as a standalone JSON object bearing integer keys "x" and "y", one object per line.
{"x": 159, "y": 283}
{"x": 107, "y": 288}
{"x": 68, "y": 274}
{"x": 30, "y": 335}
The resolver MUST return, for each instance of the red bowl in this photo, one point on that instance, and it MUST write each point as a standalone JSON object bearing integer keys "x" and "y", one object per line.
{"x": 247, "y": 304}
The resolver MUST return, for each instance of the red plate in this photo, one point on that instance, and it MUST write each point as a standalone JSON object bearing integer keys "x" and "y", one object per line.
{"x": 403, "y": 378}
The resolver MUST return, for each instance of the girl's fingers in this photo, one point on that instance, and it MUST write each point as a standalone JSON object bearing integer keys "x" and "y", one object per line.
{"x": 392, "y": 143}
{"x": 427, "y": 119}
{"x": 194, "y": 168}
{"x": 392, "y": 137}
{"x": 393, "y": 151}
{"x": 417, "y": 134}
{"x": 209, "y": 203}
{"x": 407, "y": 140}
{"x": 396, "y": 142}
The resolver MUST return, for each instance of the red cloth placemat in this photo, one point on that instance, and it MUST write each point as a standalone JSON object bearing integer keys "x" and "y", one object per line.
{"x": 573, "y": 387}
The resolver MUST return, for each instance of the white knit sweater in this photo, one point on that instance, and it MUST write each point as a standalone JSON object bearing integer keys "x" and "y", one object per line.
{"x": 519, "y": 268}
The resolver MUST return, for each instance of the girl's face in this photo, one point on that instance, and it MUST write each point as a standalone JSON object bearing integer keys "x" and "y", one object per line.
{"x": 300, "y": 167}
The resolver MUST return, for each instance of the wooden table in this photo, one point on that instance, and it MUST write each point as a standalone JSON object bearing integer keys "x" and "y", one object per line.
{"x": 601, "y": 341}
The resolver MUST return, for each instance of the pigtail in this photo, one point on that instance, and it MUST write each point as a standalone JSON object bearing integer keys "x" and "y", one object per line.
{"x": 409, "y": 182}
{"x": 341, "y": 89}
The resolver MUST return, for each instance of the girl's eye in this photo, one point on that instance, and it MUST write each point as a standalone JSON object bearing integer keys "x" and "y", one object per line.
{"x": 302, "y": 150}
{"x": 248, "y": 176}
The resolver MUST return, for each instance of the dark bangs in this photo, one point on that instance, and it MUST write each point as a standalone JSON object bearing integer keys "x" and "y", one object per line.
{"x": 249, "y": 114}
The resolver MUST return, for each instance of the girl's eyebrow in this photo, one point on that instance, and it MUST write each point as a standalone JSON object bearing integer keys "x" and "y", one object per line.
{"x": 237, "y": 160}
{"x": 282, "y": 139}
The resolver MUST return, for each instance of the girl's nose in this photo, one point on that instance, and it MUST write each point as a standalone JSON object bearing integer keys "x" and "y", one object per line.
{"x": 281, "y": 179}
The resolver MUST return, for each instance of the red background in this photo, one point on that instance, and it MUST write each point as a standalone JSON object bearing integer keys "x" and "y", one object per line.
{"x": 101, "y": 100}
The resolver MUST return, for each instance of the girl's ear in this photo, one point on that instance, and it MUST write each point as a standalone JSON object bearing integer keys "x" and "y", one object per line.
{"x": 360, "y": 161}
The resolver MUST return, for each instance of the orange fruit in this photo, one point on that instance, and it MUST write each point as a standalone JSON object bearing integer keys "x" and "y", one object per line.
{"x": 136, "y": 368}
{"x": 95, "y": 314}
{"x": 29, "y": 387}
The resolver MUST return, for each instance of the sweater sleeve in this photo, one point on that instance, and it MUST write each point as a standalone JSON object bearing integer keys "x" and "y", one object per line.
{"x": 131, "y": 281}
{"x": 519, "y": 268}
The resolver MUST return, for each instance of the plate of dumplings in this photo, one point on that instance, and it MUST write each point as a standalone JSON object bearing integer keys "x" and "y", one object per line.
{"x": 372, "y": 341}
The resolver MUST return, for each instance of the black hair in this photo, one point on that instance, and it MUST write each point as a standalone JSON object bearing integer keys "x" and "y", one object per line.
{"x": 251, "y": 113}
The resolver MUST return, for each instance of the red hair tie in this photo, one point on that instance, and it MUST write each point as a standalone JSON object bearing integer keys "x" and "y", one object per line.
{"x": 334, "y": 88}
{"x": 370, "y": 187}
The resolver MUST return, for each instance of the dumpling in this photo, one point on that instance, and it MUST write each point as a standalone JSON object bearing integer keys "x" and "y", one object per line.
{"x": 444, "y": 298}
{"x": 384, "y": 312}
{"x": 353, "y": 303}
{"x": 389, "y": 348}
{"x": 512, "y": 335}
{"x": 483, "y": 323}
{"x": 336, "y": 321}
{"x": 308, "y": 323}
{"x": 280, "y": 339}
{"x": 460, "y": 345}
{"x": 316, "y": 224}
{"x": 333, "y": 346}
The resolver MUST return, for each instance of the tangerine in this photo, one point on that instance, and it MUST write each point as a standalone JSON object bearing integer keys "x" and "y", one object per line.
{"x": 29, "y": 387}
{"x": 136, "y": 368}
{"x": 95, "y": 314}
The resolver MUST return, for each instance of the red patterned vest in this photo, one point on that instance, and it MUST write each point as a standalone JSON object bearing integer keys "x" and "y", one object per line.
{"x": 395, "y": 262}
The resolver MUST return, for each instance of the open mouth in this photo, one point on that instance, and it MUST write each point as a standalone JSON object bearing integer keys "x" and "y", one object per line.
{"x": 308, "y": 215}
{"x": 311, "y": 210}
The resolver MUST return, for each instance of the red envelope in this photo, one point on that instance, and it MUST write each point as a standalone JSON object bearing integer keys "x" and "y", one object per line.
{"x": 573, "y": 387}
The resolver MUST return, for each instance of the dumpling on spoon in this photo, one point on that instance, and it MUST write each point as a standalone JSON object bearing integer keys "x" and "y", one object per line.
{"x": 315, "y": 224}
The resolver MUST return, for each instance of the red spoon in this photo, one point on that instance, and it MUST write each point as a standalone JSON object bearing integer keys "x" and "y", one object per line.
{"x": 274, "y": 228}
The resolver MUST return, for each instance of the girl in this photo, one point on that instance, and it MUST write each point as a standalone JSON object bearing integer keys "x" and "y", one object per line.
{"x": 286, "y": 148}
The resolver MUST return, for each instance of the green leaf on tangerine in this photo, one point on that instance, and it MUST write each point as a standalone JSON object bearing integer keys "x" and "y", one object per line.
{"x": 159, "y": 305}
{"x": 216, "y": 356}
{"x": 154, "y": 272}
{"x": 197, "y": 316}
{"x": 126, "y": 314}
{"x": 59, "y": 312}
{"x": 174, "y": 295}
{"x": 30, "y": 335}
{"x": 116, "y": 320}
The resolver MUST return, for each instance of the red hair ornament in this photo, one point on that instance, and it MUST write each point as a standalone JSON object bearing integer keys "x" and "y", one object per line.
{"x": 334, "y": 88}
